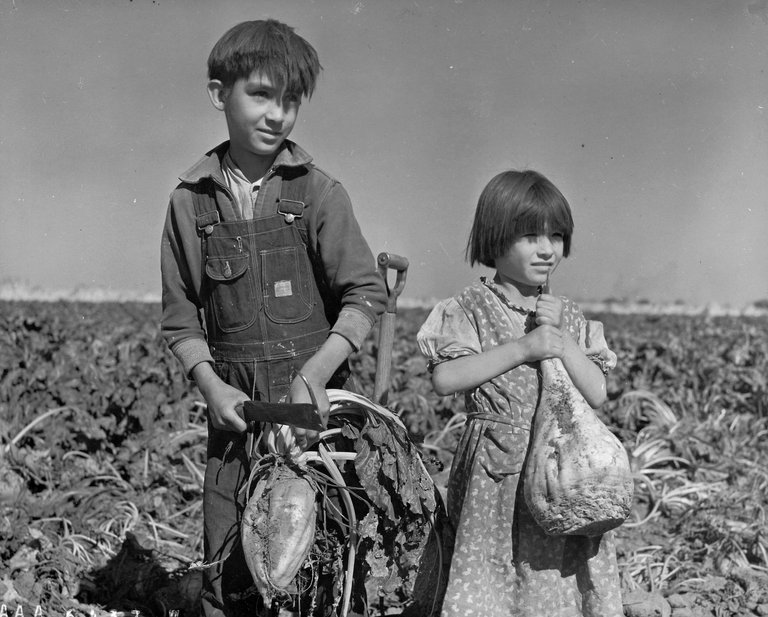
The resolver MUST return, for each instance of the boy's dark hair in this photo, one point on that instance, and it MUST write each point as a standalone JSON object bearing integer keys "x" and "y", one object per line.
{"x": 268, "y": 46}
{"x": 512, "y": 204}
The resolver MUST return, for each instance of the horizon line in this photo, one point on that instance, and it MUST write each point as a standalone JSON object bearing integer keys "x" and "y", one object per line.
{"x": 17, "y": 292}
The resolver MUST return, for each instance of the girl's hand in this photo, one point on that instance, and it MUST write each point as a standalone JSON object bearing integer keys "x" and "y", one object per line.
{"x": 549, "y": 311}
{"x": 542, "y": 343}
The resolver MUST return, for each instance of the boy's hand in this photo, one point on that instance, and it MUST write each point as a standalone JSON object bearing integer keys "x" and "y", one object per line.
{"x": 222, "y": 399}
{"x": 543, "y": 342}
{"x": 223, "y": 409}
{"x": 549, "y": 311}
{"x": 224, "y": 402}
{"x": 300, "y": 394}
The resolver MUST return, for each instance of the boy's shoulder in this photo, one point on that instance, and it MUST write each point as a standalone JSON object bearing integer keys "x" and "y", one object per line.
{"x": 206, "y": 166}
{"x": 314, "y": 185}
{"x": 321, "y": 174}
{"x": 292, "y": 157}
{"x": 316, "y": 182}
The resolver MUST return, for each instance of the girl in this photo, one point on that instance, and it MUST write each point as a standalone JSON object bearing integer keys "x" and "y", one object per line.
{"x": 486, "y": 342}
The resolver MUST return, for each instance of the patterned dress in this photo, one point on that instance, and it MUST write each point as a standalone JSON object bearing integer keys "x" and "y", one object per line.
{"x": 502, "y": 563}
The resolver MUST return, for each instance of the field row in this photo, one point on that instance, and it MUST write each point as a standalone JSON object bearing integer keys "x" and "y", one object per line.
{"x": 103, "y": 450}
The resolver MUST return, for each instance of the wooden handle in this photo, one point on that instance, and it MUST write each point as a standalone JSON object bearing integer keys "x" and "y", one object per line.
{"x": 384, "y": 359}
{"x": 392, "y": 261}
{"x": 386, "y": 262}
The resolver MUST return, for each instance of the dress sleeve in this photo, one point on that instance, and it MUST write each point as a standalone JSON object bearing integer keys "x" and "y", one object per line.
{"x": 592, "y": 340}
{"x": 447, "y": 334}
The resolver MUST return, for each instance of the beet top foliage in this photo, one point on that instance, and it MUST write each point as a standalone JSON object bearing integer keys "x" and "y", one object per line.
{"x": 102, "y": 448}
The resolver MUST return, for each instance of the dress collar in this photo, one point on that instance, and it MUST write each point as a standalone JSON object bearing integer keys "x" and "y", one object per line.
{"x": 499, "y": 292}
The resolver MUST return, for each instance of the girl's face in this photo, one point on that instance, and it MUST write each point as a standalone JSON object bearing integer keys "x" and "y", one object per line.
{"x": 530, "y": 260}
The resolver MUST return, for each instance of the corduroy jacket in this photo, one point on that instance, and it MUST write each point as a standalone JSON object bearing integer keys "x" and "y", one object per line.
{"x": 358, "y": 291}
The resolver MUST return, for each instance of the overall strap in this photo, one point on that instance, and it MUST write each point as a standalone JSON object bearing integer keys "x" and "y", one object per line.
{"x": 208, "y": 209}
{"x": 206, "y": 217}
{"x": 293, "y": 206}
{"x": 294, "y": 199}
{"x": 206, "y": 213}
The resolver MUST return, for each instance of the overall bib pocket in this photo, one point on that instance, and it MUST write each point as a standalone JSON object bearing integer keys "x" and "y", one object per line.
{"x": 233, "y": 292}
{"x": 287, "y": 291}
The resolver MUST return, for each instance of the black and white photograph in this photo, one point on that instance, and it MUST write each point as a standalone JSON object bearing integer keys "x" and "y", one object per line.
{"x": 343, "y": 308}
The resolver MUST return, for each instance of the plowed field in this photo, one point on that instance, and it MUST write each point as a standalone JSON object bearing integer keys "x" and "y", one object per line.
{"x": 102, "y": 444}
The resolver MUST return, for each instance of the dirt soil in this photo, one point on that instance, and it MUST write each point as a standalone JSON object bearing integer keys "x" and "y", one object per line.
{"x": 102, "y": 449}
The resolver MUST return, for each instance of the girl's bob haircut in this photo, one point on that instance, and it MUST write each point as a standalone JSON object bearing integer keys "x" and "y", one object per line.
{"x": 512, "y": 204}
{"x": 267, "y": 46}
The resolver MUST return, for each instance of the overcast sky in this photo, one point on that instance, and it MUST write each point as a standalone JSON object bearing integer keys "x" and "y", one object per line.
{"x": 649, "y": 115}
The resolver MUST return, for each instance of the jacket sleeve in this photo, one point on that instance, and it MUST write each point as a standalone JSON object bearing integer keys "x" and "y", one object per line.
{"x": 181, "y": 323}
{"x": 349, "y": 265}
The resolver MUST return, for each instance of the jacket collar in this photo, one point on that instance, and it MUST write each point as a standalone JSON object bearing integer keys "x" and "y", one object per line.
{"x": 209, "y": 166}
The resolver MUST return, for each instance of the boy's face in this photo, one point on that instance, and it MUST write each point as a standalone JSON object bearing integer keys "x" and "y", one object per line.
{"x": 260, "y": 115}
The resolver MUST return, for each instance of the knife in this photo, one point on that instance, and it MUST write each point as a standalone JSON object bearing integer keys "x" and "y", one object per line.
{"x": 300, "y": 415}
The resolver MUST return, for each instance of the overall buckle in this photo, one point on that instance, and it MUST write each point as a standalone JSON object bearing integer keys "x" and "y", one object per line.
{"x": 207, "y": 220}
{"x": 290, "y": 209}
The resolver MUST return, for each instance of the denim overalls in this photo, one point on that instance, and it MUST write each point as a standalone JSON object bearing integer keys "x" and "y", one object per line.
{"x": 265, "y": 315}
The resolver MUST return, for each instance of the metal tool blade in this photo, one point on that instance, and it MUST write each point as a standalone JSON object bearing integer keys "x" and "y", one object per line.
{"x": 300, "y": 415}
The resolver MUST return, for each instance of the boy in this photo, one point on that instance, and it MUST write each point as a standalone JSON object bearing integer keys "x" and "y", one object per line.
{"x": 265, "y": 274}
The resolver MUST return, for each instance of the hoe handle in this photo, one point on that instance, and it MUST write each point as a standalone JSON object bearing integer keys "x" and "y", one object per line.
{"x": 386, "y": 262}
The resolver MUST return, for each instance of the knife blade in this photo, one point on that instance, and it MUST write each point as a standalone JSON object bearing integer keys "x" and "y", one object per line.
{"x": 300, "y": 415}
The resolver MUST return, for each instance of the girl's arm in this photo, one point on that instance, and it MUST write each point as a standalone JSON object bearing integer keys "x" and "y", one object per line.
{"x": 584, "y": 373}
{"x": 470, "y": 371}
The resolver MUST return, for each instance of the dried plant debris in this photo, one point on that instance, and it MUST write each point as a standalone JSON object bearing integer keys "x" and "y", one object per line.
{"x": 102, "y": 449}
